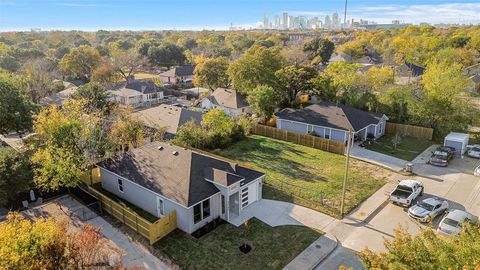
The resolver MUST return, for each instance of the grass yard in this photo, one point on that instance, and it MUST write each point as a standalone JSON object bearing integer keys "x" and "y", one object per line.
{"x": 408, "y": 149}
{"x": 142, "y": 75}
{"x": 272, "y": 248}
{"x": 306, "y": 172}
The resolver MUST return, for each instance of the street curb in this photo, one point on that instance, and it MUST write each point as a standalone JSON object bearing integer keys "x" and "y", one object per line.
{"x": 331, "y": 236}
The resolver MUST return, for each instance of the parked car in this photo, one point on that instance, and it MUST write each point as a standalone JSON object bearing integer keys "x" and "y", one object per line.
{"x": 427, "y": 209}
{"x": 476, "y": 172}
{"x": 441, "y": 156}
{"x": 452, "y": 222}
{"x": 474, "y": 151}
{"x": 406, "y": 192}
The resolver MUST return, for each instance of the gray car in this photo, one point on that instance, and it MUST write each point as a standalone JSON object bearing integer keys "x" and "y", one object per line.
{"x": 427, "y": 209}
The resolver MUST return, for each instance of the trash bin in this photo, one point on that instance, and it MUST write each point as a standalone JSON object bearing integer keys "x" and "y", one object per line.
{"x": 409, "y": 167}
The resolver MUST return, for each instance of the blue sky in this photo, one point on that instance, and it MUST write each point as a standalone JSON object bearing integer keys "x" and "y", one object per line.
{"x": 215, "y": 14}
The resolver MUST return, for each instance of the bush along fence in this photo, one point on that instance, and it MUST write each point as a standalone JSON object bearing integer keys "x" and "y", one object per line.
{"x": 153, "y": 231}
{"x": 318, "y": 202}
{"x": 414, "y": 131}
{"x": 303, "y": 139}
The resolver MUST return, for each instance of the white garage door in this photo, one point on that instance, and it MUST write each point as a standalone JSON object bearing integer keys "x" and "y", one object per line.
{"x": 249, "y": 194}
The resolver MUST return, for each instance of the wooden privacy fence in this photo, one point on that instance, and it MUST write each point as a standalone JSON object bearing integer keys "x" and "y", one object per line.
{"x": 153, "y": 231}
{"x": 414, "y": 131}
{"x": 95, "y": 177}
{"x": 303, "y": 139}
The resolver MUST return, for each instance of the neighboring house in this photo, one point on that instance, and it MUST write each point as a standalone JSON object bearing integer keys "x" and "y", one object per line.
{"x": 227, "y": 100}
{"x": 59, "y": 97}
{"x": 137, "y": 93}
{"x": 476, "y": 84}
{"x": 196, "y": 92}
{"x": 168, "y": 116}
{"x": 331, "y": 121}
{"x": 408, "y": 73}
{"x": 160, "y": 178}
{"x": 181, "y": 74}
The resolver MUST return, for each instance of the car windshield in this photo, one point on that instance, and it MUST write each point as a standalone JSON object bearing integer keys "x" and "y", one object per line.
{"x": 440, "y": 156}
{"x": 440, "y": 153}
{"x": 450, "y": 222}
{"x": 476, "y": 149}
{"x": 426, "y": 206}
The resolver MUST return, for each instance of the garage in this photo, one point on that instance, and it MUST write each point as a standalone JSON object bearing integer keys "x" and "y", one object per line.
{"x": 459, "y": 141}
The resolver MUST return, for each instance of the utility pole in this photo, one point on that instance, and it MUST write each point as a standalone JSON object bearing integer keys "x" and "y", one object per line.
{"x": 349, "y": 145}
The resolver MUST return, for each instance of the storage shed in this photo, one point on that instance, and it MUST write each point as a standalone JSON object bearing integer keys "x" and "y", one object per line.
{"x": 459, "y": 141}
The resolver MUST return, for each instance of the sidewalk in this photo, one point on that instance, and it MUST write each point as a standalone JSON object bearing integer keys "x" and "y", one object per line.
{"x": 314, "y": 254}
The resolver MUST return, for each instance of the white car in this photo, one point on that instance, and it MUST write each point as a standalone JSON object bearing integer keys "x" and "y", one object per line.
{"x": 474, "y": 151}
{"x": 427, "y": 209}
{"x": 452, "y": 222}
{"x": 476, "y": 172}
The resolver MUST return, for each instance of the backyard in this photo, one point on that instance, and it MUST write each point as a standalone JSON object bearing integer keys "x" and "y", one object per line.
{"x": 407, "y": 148}
{"x": 272, "y": 248}
{"x": 307, "y": 176}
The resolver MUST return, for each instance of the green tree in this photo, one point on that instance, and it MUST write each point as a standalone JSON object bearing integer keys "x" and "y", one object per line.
{"x": 16, "y": 108}
{"x": 295, "y": 80}
{"x": 354, "y": 49}
{"x": 263, "y": 100}
{"x": 321, "y": 49}
{"x": 378, "y": 78}
{"x": 80, "y": 62}
{"x": 427, "y": 251}
{"x": 127, "y": 131}
{"x": 96, "y": 98}
{"x": 212, "y": 73}
{"x": 256, "y": 67}
{"x": 16, "y": 174}
{"x": 166, "y": 55}
{"x": 397, "y": 100}
{"x": 127, "y": 63}
{"x": 322, "y": 87}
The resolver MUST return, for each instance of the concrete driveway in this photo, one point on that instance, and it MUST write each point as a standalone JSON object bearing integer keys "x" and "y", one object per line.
{"x": 377, "y": 158}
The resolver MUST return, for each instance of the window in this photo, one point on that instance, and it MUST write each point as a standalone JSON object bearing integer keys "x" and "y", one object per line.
{"x": 160, "y": 207}
{"x": 327, "y": 133}
{"x": 206, "y": 208}
{"x": 223, "y": 204}
{"x": 120, "y": 185}
{"x": 197, "y": 213}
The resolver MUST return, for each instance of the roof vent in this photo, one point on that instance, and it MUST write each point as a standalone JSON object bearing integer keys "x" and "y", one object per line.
{"x": 175, "y": 153}
{"x": 160, "y": 148}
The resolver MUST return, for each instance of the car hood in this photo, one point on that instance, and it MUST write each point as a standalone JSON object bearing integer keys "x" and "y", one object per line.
{"x": 418, "y": 211}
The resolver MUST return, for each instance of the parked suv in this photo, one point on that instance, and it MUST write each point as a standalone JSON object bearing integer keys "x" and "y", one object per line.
{"x": 441, "y": 156}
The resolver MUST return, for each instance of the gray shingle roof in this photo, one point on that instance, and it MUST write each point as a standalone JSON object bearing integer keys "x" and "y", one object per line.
{"x": 330, "y": 115}
{"x": 175, "y": 172}
{"x": 228, "y": 98}
{"x": 143, "y": 86}
{"x": 179, "y": 71}
{"x": 168, "y": 116}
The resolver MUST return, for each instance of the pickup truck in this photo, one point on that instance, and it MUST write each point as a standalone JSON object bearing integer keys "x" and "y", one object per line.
{"x": 406, "y": 192}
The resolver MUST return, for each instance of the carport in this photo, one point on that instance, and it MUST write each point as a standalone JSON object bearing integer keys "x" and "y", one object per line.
{"x": 459, "y": 141}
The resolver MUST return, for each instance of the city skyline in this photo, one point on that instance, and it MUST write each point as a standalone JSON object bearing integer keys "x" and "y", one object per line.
{"x": 218, "y": 15}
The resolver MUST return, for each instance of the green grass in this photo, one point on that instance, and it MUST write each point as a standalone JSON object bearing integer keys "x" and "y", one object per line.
{"x": 146, "y": 215}
{"x": 142, "y": 75}
{"x": 306, "y": 172}
{"x": 272, "y": 248}
{"x": 408, "y": 149}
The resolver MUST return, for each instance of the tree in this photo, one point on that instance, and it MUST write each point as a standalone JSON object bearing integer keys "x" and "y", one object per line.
{"x": 439, "y": 104}
{"x": 354, "y": 49}
{"x": 294, "y": 80}
{"x": 397, "y": 100}
{"x": 96, "y": 98}
{"x": 427, "y": 251}
{"x": 322, "y": 87}
{"x": 127, "y": 63}
{"x": 127, "y": 131}
{"x": 396, "y": 140}
{"x": 212, "y": 73}
{"x": 345, "y": 76}
{"x": 80, "y": 62}
{"x": 321, "y": 49}
{"x": 166, "y": 55}
{"x": 105, "y": 75}
{"x": 15, "y": 108}
{"x": 38, "y": 77}
{"x": 376, "y": 79}
{"x": 16, "y": 174}
{"x": 263, "y": 100}
{"x": 257, "y": 66}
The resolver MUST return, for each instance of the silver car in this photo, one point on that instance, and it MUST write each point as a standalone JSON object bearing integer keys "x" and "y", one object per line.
{"x": 452, "y": 222}
{"x": 474, "y": 151}
{"x": 427, "y": 209}
{"x": 476, "y": 172}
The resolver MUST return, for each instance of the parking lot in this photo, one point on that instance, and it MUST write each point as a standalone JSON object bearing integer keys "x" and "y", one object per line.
{"x": 455, "y": 183}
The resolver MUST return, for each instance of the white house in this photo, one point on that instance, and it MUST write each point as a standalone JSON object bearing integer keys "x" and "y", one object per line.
{"x": 160, "y": 178}
{"x": 137, "y": 93}
{"x": 227, "y": 100}
{"x": 181, "y": 74}
{"x": 332, "y": 121}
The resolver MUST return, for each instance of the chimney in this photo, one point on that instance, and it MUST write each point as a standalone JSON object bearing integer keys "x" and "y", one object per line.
{"x": 175, "y": 153}
{"x": 160, "y": 148}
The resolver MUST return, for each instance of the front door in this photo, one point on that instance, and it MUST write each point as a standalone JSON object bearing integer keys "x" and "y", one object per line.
{"x": 234, "y": 206}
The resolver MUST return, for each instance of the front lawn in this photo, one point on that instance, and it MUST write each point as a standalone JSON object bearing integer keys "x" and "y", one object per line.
{"x": 305, "y": 172}
{"x": 407, "y": 149}
{"x": 272, "y": 248}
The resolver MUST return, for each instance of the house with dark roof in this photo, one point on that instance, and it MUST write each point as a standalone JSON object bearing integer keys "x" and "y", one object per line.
{"x": 136, "y": 93}
{"x": 227, "y": 100}
{"x": 181, "y": 74}
{"x": 332, "y": 121}
{"x": 168, "y": 116}
{"x": 161, "y": 178}
{"x": 475, "y": 84}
